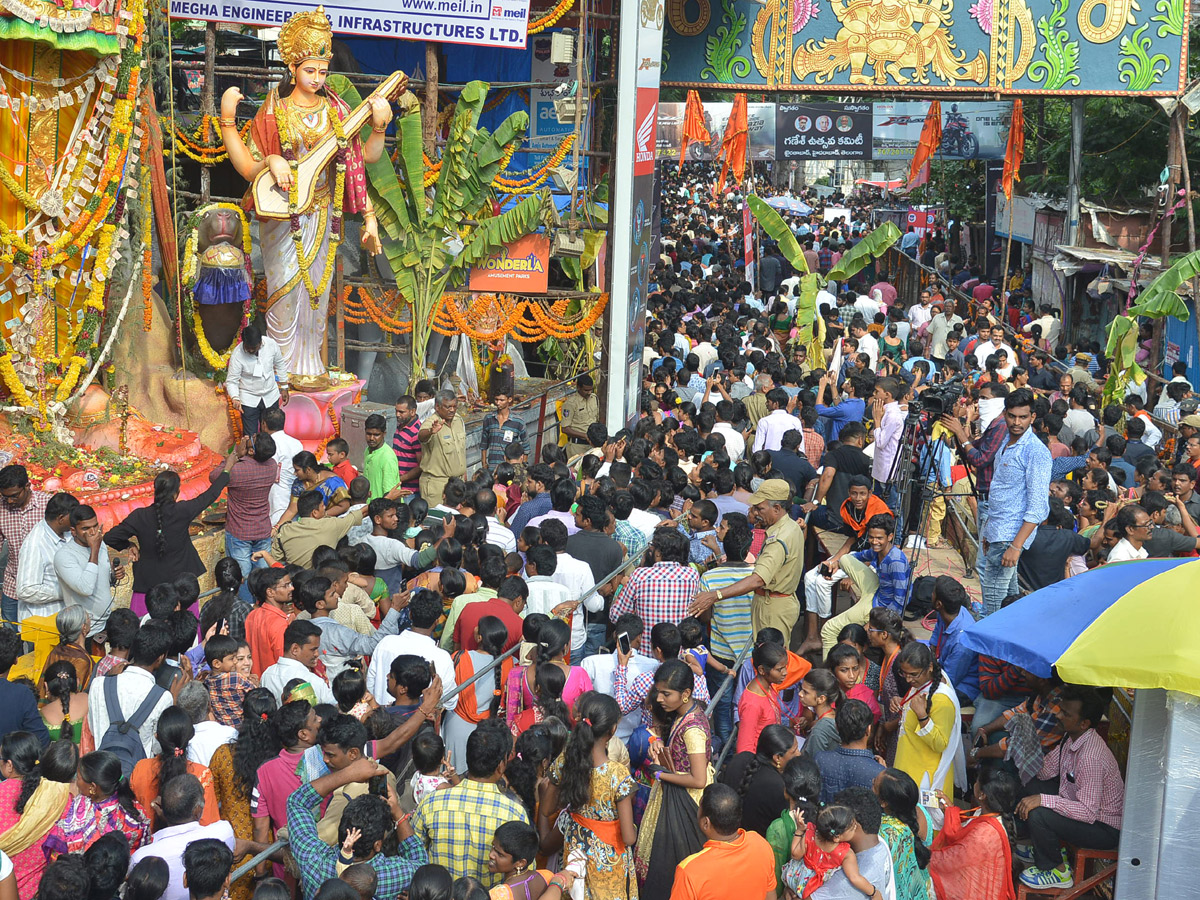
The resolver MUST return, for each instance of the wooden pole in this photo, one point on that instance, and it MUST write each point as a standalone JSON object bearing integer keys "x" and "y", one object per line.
{"x": 1007, "y": 251}
{"x": 430, "y": 106}
{"x": 1191, "y": 215}
{"x": 208, "y": 99}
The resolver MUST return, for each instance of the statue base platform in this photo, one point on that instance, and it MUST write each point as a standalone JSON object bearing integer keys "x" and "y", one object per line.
{"x": 314, "y": 416}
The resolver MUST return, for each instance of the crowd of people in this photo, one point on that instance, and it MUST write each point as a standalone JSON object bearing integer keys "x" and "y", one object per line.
{"x": 648, "y": 659}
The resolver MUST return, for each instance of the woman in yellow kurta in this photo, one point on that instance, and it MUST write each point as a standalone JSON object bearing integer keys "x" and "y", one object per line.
{"x": 929, "y": 747}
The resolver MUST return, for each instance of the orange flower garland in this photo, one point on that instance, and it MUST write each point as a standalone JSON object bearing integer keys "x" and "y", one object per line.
{"x": 550, "y": 19}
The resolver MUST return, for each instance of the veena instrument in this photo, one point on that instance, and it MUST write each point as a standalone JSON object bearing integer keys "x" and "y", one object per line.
{"x": 271, "y": 201}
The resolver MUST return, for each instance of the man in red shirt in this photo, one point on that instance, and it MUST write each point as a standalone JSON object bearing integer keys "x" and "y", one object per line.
{"x": 248, "y": 514}
{"x": 728, "y": 849}
{"x": 506, "y": 606}
{"x": 266, "y": 623}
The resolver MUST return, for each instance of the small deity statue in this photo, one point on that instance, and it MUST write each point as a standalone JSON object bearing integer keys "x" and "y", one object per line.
{"x": 223, "y": 282}
{"x": 299, "y": 248}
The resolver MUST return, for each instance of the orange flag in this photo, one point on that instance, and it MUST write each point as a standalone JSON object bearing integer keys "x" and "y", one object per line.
{"x": 733, "y": 145}
{"x": 693, "y": 125}
{"x": 931, "y": 140}
{"x": 1015, "y": 151}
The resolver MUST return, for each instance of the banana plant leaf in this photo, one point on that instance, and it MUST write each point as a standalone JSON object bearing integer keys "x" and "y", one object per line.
{"x": 381, "y": 176}
{"x": 1161, "y": 298}
{"x": 870, "y": 247}
{"x": 493, "y": 233}
{"x": 772, "y": 223}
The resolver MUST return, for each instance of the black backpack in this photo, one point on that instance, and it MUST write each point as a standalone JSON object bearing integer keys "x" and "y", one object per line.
{"x": 122, "y": 738}
{"x": 920, "y": 601}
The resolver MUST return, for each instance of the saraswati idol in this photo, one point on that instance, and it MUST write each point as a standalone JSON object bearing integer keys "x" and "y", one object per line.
{"x": 306, "y": 163}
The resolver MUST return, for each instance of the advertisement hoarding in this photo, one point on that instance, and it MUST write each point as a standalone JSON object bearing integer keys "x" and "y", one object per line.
{"x": 823, "y": 131}
{"x": 969, "y": 130}
{"x": 760, "y": 126}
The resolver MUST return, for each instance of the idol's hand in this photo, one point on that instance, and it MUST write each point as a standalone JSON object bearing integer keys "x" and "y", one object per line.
{"x": 370, "y": 236}
{"x": 280, "y": 171}
{"x": 229, "y": 102}
{"x": 381, "y": 111}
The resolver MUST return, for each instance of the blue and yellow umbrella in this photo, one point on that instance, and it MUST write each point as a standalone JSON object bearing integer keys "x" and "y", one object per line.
{"x": 1134, "y": 625}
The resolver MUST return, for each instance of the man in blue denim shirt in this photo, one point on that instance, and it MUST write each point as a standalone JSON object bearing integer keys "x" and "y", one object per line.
{"x": 1019, "y": 500}
{"x": 950, "y": 602}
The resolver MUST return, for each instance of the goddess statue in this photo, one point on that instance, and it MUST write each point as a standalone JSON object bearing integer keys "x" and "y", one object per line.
{"x": 299, "y": 250}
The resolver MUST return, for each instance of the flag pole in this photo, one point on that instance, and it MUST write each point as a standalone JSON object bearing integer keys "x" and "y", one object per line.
{"x": 1007, "y": 251}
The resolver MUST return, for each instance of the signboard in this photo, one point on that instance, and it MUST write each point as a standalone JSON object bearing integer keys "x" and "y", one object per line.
{"x": 748, "y": 241}
{"x": 522, "y": 267}
{"x": 823, "y": 131}
{"x": 760, "y": 126}
{"x": 1050, "y": 48}
{"x": 633, "y": 194}
{"x": 969, "y": 130}
{"x": 483, "y": 23}
{"x": 545, "y": 131}
{"x": 920, "y": 220}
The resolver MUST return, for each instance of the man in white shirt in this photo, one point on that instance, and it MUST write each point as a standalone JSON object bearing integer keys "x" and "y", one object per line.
{"x": 735, "y": 444}
{"x": 257, "y": 377}
{"x": 983, "y": 351}
{"x": 778, "y": 421}
{"x": 417, "y": 640}
{"x": 921, "y": 312}
{"x": 182, "y": 805}
{"x": 602, "y": 668}
{"x": 498, "y": 534}
{"x": 301, "y": 650}
{"x": 134, "y": 684}
{"x": 1051, "y": 325}
{"x": 38, "y": 590}
{"x": 576, "y": 576}
{"x": 286, "y": 447}
{"x": 866, "y": 342}
{"x": 545, "y": 594}
{"x": 209, "y": 735}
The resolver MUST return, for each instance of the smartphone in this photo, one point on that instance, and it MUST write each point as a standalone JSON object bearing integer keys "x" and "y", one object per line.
{"x": 623, "y": 642}
{"x": 377, "y": 785}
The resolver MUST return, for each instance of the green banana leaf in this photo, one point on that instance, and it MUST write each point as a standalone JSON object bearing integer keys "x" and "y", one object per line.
{"x": 772, "y": 223}
{"x": 388, "y": 195}
{"x": 872, "y": 246}
{"x": 493, "y": 233}
{"x": 1161, "y": 298}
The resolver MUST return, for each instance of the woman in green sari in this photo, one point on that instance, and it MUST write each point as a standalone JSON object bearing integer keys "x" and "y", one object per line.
{"x": 908, "y": 832}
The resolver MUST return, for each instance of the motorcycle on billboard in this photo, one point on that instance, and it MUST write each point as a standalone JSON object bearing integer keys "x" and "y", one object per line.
{"x": 957, "y": 137}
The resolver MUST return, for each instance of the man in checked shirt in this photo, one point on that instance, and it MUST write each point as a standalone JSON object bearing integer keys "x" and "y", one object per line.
{"x": 1079, "y": 797}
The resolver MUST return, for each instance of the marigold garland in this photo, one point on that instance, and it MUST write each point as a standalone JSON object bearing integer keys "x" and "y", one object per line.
{"x": 550, "y": 19}
{"x": 196, "y": 145}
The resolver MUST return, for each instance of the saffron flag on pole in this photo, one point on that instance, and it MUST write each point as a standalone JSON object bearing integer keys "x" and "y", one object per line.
{"x": 733, "y": 145}
{"x": 931, "y": 140}
{"x": 693, "y": 125}
{"x": 1014, "y": 153}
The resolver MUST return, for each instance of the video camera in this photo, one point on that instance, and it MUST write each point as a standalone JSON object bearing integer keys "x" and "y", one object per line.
{"x": 939, "y": 399}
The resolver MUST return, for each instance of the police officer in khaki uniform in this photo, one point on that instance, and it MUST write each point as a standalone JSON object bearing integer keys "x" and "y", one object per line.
{"x": 443, "y": 440}
{"x": 777, "y": 570}
{"x": 579, "y": 411}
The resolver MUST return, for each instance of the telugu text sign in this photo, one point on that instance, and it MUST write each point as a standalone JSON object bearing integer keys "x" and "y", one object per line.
{"x": 485, "y": 23}
{"x": 1020, "y": 46}
{"x": 823, "y": 131}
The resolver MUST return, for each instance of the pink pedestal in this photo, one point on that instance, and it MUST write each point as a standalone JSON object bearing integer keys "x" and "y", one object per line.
{"x": 308, "y": 413}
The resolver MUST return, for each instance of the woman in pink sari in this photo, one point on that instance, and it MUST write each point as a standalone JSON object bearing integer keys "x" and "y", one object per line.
{"x": 30, "y": 806}
{"x": 527, "y": 688}
{"x": 971, "y": 854}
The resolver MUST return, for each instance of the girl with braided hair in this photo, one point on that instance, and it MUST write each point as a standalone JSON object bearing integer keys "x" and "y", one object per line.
{"x": 105, "y": 803}
{"x": 64, "y": 719}
{"x": 595, "y": 794}
{"x": 485, "y": 699}
{"x": 175, "y": 731}
{"x": 163, "y": 549}
{"x": 758, "y": 778}
{"x": 886, "y": 632}
{"x": 928, "y": 746}
{"x": 30, "y": 806}
{"x": 908, "y": 831}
